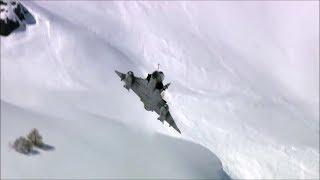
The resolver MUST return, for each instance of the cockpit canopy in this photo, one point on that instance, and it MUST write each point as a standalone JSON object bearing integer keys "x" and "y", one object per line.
{"x": 158, "y": 75}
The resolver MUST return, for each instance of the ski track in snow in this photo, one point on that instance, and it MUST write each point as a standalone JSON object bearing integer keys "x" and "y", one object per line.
{"x": 244, "y": 84}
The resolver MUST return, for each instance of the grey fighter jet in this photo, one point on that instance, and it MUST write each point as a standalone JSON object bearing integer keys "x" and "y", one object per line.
{"x": 149, "y": 91}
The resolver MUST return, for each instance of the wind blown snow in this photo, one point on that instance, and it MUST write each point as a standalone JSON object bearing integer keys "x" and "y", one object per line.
{"x": 244, "y": 84}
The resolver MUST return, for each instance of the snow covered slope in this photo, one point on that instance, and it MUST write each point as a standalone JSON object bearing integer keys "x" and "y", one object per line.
{"x": 99, "y": 147}
{"x": 244, "y": 84}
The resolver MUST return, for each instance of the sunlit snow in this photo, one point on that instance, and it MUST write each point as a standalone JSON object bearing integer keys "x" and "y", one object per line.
{"x": 244, "y": 89}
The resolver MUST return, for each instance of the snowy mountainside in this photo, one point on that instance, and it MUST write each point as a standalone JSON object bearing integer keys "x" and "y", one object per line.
{"x": 101, "y": 148}
{"x": 244, "y": 80}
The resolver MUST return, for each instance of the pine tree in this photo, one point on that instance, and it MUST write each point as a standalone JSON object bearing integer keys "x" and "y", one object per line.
{"x": 35, "y": 137}
{"x": 23, "y": 145}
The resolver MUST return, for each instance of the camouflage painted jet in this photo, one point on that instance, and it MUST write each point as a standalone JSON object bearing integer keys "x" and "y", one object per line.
{"x": 149, "y": 91}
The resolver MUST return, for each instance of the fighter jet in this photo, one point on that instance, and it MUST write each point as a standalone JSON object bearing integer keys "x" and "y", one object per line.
{"x": 149, "y": 91}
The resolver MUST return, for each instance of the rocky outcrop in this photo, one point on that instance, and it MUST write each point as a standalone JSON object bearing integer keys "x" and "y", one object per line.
{"x": 13, "y": 16}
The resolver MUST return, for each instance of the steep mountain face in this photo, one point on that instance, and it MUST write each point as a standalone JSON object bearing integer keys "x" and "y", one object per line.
{"x": 13, "y": 15}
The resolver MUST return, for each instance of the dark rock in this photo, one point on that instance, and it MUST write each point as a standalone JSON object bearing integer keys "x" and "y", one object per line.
{"x": 7, "y": 27}
{"x": 3, "y": 3}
